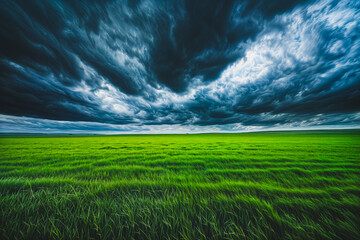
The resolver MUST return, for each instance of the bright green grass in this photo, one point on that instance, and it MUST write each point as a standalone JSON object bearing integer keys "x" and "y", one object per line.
{"x": 291, "y": 185}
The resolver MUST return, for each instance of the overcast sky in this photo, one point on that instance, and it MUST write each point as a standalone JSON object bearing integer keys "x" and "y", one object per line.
{"x": 178, "y": 66}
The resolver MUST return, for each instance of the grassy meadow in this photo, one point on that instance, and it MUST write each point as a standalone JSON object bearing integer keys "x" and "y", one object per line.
{"x": 276, "y": 185}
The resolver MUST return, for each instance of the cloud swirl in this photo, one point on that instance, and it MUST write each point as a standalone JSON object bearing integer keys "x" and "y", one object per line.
{"x": 219, "y": 65}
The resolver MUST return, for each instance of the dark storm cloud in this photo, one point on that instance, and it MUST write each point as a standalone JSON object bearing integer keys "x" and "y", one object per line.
{"x": 328, "y": 83}
{"x": 205, "y": 36}
{"x": 48, "y": 36}
{"x": 191, "y": 38}
{"x": 46, "y": 98}
{"x": 181, "y": 62}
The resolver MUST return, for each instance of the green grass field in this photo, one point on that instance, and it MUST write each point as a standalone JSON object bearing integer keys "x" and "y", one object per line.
{"x": 290, "y": 185}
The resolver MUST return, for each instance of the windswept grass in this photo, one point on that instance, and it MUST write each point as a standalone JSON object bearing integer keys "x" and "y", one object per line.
{"x": 291, "y": 185}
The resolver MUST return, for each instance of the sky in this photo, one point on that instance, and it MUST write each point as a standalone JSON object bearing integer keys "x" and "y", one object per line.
{"x": 178, "y": 66}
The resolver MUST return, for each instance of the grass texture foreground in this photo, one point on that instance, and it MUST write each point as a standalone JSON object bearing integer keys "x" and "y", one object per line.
{"x": 289, "y": 185}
